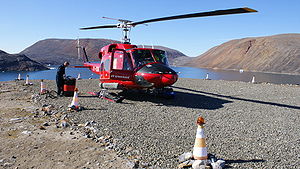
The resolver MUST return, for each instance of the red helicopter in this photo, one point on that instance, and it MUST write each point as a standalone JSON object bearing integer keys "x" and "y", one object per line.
{"x": 125, "y": 66}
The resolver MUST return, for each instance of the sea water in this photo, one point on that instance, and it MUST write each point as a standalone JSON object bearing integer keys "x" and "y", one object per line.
{"x": 183, "y": 72}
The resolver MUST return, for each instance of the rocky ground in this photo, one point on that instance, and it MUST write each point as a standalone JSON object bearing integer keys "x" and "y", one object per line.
{"x": 248, "y": 125}
{"x": 34, "y": 138}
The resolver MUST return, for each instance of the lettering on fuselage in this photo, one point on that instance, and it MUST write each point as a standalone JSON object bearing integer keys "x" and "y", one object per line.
{"x": 120, "y": 76}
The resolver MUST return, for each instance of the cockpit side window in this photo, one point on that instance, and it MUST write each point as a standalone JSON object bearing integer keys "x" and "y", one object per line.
{"x": 160, "y": 56}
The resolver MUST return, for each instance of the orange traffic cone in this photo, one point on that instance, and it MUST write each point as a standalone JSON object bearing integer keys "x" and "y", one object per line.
{"x": 43, "y": 87}
{"x": 74, "y": 104}
{"x": 200, "y": 150}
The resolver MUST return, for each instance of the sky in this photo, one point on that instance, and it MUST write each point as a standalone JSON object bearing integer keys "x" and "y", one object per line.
{"x": 24, "y": 22}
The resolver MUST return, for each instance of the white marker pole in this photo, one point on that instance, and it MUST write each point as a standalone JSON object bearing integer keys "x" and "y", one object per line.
{"x": 78, "y": 48}
{"x": 206, "y": 76}
{"x": 253, "y": 79}
{"x": 27, "y": 80}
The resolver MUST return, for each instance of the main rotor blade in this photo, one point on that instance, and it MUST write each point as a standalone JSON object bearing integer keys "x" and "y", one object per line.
{"x": 100, "y": 27}
{"x": 200, "y": 14}
{"x": 121, "y": 20}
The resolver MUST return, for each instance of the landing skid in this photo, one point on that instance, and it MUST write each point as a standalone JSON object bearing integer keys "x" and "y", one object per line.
{"x": 166, "y": 93}
{"x": 104, "y": 94}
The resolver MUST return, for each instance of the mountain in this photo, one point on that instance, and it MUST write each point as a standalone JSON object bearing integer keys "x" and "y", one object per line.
{"x": 18, "y": 62}
{"x": 278, "y": 53}
{"x": 56, "y": 51}
{"x": 175, "y": 57}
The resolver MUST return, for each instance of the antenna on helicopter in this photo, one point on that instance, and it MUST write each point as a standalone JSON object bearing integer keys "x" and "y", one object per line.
{"x": 126, "y": 25}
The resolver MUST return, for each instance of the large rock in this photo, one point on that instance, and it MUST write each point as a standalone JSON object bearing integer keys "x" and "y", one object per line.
{"x": 278, "y": 53}
{"x": 18, "y": 62}
{"x": 56, "y": 51}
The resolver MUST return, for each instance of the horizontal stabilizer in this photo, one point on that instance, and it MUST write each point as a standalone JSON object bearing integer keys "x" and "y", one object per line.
{"x": 80, "y": 66}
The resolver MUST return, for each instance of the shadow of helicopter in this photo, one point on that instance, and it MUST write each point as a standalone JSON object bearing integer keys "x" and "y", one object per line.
{"x": 181, "y": 99}
{"x": 239, "y": 161}
{"x": 238, "y": 98}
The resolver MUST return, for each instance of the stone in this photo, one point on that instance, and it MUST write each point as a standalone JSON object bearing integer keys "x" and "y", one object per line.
{"x": 47, "y": 108}
{"x": 186, "y": 164}
{"x": 212, "y": 157}
{"x": 144, "y": 164}
{"x": 15, "y": 119}
{"x": 27, "y": 132}
{"x": 64, "y": 124}
{"x": 42, "y": 128}
{"x": 110, "y": 146}
{"x": 131, "y": 164}
{"x": 199, "y": 164}
{"x": 65, "y": 116}
{"x": 221, "y": 163}
{"x": 86, "y": 135}
{"x": 185, "y": 156}
{"x": 46, "y": 124}
{"x": 81, "y": 125}
{"x": 216, "y": 165}
{"x": 7, "y": 164}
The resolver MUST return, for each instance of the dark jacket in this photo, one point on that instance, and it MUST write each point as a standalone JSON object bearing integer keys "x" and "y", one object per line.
{"x": 60, "y": 72}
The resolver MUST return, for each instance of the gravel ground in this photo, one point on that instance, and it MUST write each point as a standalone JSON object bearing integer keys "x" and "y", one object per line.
{"x": 248, "y": 125}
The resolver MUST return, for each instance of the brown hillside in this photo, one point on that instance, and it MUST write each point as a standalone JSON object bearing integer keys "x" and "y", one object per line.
{"x": 278, "y": 53}
{"x": 56, "y": 51}
{"x": 18, "y": 62}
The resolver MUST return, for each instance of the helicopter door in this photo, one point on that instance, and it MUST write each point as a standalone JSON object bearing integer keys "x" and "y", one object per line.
{"x": 105, "y": 67}
{"x": 121, "y": 66}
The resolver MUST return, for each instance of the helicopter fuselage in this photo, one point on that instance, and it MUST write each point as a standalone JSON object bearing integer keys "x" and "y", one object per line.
{"x": 125, "y": 66}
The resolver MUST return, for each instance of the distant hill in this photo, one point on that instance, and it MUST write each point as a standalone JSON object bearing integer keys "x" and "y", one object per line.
{"x": 18, "y": 62}
{"x": 278, "y": 53}
{"x": 56, "y": 51}
{"x": 175, "y": 57}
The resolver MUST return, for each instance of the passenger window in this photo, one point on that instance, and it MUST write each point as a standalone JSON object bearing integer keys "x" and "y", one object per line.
{"x": 107, "y": 65}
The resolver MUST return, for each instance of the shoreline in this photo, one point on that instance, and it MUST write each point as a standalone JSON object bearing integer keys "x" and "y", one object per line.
{"x": 178, "y": 78}
{"x": 187, "y": 72}
{"x": 245, "y": 70}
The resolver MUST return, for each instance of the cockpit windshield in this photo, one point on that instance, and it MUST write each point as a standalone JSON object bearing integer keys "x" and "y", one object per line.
{"x": 142, "y": 57}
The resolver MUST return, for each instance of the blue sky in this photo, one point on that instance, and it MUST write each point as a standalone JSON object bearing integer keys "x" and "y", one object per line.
{"x": 24, "y": 22}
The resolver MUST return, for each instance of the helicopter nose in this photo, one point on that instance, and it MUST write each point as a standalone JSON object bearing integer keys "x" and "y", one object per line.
{"x": 156, "y": 75}
{"x": 169, "y": 79}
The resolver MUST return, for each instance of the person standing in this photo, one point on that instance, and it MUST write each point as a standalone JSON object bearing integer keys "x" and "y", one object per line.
{"x": 60, "y": 77}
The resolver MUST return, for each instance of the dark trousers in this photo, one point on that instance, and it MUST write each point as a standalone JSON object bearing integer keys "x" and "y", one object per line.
{"x": 60, "y": 84}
